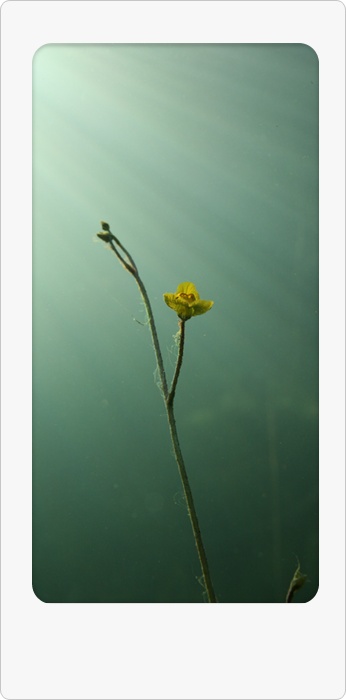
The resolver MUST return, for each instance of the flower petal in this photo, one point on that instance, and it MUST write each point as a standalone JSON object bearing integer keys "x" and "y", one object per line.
{"x": 201, "y": 307}
{"x": 187, "y": 288}
{"x": 170, "y": 300}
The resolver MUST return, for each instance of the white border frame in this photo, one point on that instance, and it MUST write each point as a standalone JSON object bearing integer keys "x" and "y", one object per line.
{"x": 167, "y": 651}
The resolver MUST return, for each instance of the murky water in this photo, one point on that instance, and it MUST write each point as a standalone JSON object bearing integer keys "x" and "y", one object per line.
{"x": 204, "y": 161}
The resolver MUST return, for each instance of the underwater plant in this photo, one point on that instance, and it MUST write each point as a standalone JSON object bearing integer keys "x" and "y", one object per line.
{"x": 186, "y": 303}
{"x": 296, "y": 583}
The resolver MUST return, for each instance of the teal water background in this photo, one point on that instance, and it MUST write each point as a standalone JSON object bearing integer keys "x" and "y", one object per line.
{"x": 204, "y": 160}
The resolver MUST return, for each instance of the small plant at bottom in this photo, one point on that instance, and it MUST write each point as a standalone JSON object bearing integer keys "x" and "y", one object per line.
{"x": 296, "y": 583}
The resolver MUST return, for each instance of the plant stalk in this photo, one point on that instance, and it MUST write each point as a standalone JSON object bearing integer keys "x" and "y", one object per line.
{"x": 168, "y": 396}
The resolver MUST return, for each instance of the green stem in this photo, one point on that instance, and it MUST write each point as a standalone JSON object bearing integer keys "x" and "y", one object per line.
{"x": 182, "y": 470}
{"x": 132, "y": 268}
{"x": 162, "y": 373}
{"x": 190, "y": 504}
{"x": 168, "y": 397}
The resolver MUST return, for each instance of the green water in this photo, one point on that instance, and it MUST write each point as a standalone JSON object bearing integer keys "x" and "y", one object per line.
{"x": 204, "y": 160}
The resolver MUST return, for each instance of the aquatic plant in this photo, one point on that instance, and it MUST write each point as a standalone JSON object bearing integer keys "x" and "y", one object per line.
{"x": 186, "y": 303}
{"x": 296, "y": 583}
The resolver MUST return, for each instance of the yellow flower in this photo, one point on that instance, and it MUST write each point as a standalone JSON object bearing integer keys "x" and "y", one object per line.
{"x": 186, "y": 302}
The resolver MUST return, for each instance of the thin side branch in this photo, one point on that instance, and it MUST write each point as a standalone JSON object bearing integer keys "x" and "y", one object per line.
{"x": 170, "y": 397}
